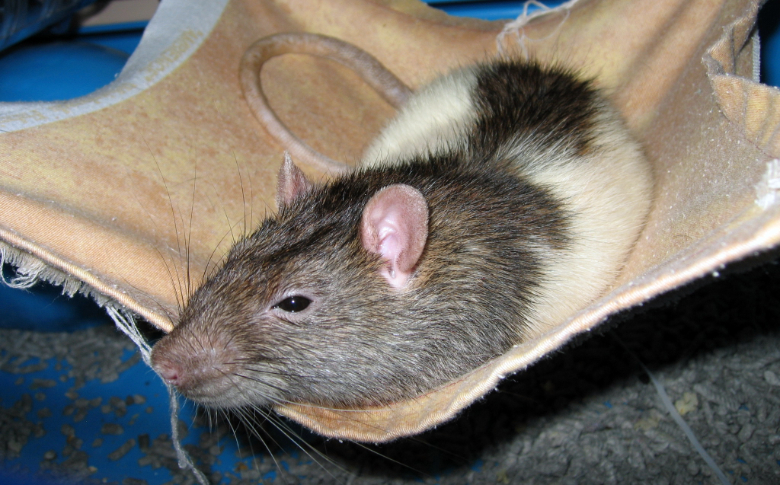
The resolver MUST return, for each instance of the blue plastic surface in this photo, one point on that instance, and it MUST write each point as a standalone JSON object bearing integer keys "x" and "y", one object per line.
{"x": 125, "y": 39}
{"x": 45, "y": 309}
{"x": 65, "y": 70}
{"x": 34, "y": 71}
{"x": 490, "y": 10}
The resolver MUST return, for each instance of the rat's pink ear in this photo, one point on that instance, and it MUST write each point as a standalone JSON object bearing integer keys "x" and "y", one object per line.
{"x": 292, "y": 182}
{"x": 395, "y": 226}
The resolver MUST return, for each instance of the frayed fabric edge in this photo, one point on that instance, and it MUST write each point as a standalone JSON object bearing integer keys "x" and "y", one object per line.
{"x": 514, "y": 28}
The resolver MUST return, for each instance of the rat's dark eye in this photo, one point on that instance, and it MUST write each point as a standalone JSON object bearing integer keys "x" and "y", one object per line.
{"x": 293, "y": 304}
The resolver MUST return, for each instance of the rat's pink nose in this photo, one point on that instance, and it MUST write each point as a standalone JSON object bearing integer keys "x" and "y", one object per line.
{"x": 169, "y": 371}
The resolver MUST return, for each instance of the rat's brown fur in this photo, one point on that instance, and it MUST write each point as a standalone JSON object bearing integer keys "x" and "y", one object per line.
{"x": 500, "y": 238}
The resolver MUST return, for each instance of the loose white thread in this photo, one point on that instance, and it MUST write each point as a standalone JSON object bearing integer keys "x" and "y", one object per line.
{"x": 659, "y": 388}
{"x": 25, "y": 277}
{"x": 126, "y": 323}
{"x": 515, "y": 27}
{"x": 184, "y": 459}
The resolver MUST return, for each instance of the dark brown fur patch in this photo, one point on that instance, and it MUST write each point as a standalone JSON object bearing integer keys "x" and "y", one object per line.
{"x": 526, "y": 101}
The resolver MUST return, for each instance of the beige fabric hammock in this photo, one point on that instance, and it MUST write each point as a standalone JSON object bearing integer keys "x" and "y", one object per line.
{"x": 126, "y": 193}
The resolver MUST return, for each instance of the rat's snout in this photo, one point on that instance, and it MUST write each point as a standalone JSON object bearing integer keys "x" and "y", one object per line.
{"x": 197, "y": 370}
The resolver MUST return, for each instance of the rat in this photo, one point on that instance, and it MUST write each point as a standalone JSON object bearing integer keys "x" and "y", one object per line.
{"x": 504, "y": 197}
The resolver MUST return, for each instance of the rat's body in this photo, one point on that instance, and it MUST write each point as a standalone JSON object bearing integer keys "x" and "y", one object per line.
{"x": 503, "y": 198}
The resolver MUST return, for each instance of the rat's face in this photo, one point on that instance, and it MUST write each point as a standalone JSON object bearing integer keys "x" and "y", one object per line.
{"x": 302, "y": 310}
{"x": 270, "y": 325}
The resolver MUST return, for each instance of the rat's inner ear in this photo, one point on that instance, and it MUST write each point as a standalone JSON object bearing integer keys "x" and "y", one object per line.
{"x": 395, "y": 226}
{"x": 292, "y": 183}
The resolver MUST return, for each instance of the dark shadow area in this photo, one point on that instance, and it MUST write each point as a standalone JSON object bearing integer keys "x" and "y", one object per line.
{"x": 768, "y": 24}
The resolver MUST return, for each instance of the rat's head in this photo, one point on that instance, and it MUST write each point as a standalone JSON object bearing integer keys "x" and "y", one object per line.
{"x": 303, "y": 309}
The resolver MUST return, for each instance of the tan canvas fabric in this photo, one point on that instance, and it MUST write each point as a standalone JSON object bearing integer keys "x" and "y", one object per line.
{"x": 132, "y": 193}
